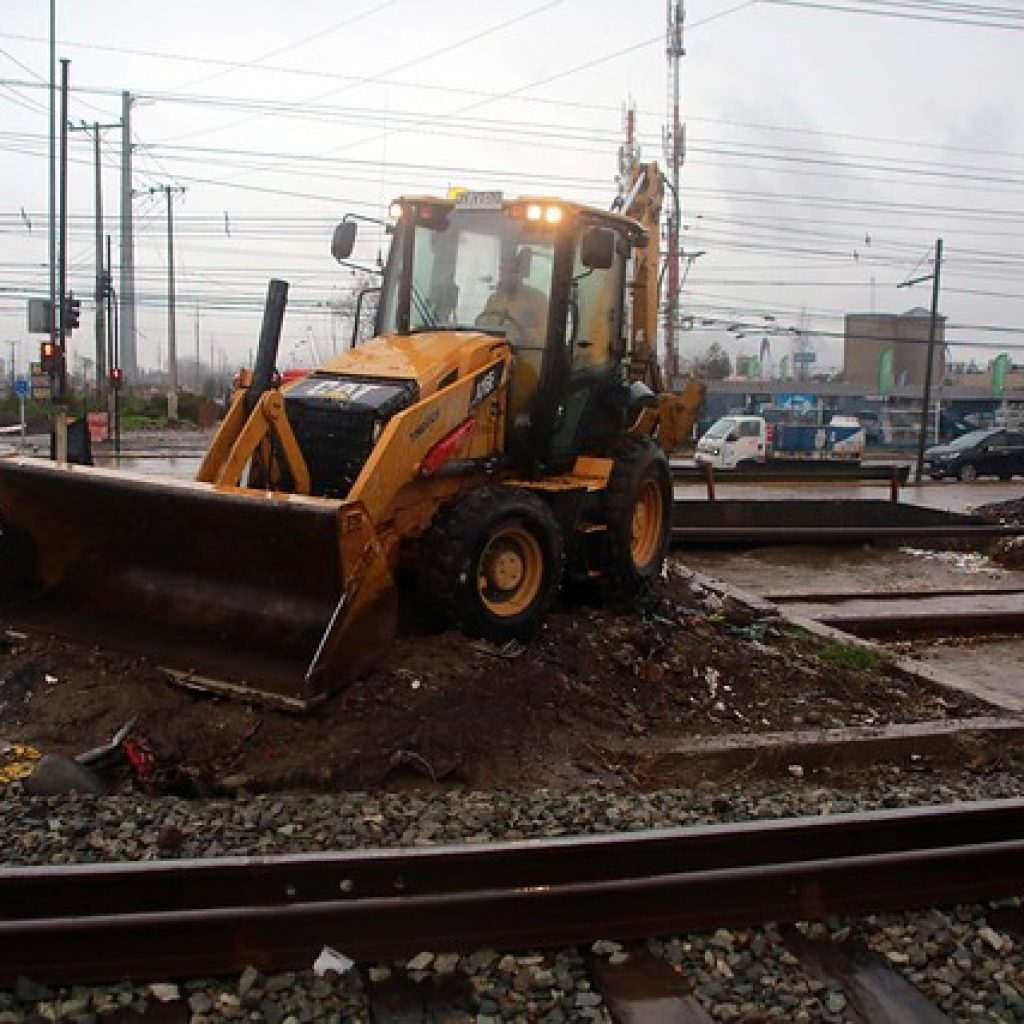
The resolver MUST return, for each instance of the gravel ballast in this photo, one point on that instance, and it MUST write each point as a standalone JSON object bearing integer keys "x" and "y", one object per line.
{"x": 955, "y": 957}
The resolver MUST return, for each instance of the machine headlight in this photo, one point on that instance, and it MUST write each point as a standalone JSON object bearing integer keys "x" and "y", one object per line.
{"x": 549, "y": 214}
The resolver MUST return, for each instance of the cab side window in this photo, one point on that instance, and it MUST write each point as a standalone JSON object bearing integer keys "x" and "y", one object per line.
{"x": 594, "y": 314}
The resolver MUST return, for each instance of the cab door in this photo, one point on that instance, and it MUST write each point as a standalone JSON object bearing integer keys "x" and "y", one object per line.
{"x": 593, "y": 347}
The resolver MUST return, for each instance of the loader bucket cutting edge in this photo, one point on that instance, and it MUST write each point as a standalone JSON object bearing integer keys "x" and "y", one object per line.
{"x": 228, "y": 590}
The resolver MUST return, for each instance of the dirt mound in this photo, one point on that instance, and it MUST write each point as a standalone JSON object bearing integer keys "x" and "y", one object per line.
{"x": 445, "y": 709}
{"x": 1010, "y": 512}
{"x": 1009, "y": 552}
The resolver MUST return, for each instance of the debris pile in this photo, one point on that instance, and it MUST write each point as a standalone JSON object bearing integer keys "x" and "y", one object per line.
{"x": 448, "y": 710}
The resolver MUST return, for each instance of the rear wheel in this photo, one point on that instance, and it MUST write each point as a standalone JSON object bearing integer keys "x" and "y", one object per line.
{"x": 968, "y": 473}
{"x": 637, "y": 513}
{"x": 492, "y": 562}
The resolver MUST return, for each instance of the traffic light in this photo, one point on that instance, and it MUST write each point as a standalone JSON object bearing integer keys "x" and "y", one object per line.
{"x": 116, "y": 374}
{"x": 48, "y": 356}
{"x": 72, "y": 312}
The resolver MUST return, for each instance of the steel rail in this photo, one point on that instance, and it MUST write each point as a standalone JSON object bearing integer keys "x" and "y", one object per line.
{"x": 752, "y": 534}
{"x": 187, "y": 918}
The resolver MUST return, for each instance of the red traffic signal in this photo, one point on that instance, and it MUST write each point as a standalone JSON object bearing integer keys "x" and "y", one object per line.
{"x": 48, "y": 356}
{"x": 116, "y": 374}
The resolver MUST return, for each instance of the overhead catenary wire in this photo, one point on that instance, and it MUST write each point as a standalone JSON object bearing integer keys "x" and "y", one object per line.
{"x": 735, "y": 244}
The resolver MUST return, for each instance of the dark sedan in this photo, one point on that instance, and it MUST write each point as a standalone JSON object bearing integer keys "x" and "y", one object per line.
{"x": 995, "y": 452}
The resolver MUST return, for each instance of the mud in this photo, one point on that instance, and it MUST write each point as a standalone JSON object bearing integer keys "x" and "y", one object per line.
{"x": 445, "y": 710}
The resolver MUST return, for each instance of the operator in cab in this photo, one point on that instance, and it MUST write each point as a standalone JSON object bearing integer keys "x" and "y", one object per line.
{"x": 516, "y": 306}
{"x": 522, "y": 312}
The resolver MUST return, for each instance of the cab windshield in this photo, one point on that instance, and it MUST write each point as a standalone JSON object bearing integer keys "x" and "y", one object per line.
{"x": 472, "y": 270}
{"x": 721, "y": 428}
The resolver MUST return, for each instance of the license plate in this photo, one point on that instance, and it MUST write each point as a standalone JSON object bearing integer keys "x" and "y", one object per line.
{"x": 469, "y": 200}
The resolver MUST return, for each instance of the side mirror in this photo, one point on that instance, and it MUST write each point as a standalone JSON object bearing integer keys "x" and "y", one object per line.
{"x": 732, "y": 436}
{"x": 343, "y": 240}
{"x": 597, "y": 248}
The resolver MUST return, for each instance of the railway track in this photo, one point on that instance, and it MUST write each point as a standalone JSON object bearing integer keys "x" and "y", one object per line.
{"x": 910, "y": 614}
{"x": 175, "y": 919}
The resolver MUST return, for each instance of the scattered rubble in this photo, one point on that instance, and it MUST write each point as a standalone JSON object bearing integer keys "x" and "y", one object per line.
{"x": 1009, "y": 552}
{"x": 446, "y": 710}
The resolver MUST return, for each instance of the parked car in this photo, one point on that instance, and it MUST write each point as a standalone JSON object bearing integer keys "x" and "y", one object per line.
{"x": 993, "y": 452}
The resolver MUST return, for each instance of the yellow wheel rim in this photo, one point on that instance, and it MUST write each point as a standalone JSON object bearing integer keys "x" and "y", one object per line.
{"x": 511, "y": 571}
{"x": 646, "y": 527}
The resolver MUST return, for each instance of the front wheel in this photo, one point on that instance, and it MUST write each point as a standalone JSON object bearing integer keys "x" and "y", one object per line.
{"x": 638, "y": 515}
{"x": 968, "y": 473}
{"x": 493, "y": 562}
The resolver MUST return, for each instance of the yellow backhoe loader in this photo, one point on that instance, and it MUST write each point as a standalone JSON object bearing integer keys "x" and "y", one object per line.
{"x": 494, "y": 438}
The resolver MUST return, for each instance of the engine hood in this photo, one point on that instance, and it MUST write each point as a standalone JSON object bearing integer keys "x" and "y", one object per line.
{"x": 432, "y": 359}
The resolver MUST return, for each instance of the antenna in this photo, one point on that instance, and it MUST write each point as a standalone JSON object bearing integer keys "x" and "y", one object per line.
{"x": 674, "y": 156}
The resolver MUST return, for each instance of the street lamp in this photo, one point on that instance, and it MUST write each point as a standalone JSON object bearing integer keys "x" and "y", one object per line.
{"x": 929, "y": 362}
{"x": 690, "y": 257}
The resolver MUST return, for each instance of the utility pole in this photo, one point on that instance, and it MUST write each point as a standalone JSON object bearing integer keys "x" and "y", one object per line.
{"x": 53, "y": 172}
{"x": 199, "y": 380}
{"x": 100, "y": 285}
{"x": 113, "y": 359}
{"x": 674, "y": 151}
{"x": 62, "y": 268}
{"x": 129, "y": 356}
{"x": 172, "y": 351}
{"x": 930, "y": 361}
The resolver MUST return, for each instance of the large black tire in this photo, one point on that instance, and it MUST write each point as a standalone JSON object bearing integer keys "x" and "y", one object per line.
{"x": 492, "y": 562}
{"x": 637, "y": 511}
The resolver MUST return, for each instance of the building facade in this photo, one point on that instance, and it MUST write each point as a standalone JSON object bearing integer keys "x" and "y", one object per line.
{"x": 886, "y": 350}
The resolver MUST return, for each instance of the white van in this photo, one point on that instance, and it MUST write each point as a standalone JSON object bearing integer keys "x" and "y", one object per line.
{"x": 733, "y": 440}
{"x": 737, "y": 441}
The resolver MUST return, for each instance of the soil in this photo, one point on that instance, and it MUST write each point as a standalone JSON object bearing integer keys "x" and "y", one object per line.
{"x": 445, "y": 710}
{"x": 1003, "y": 511}
{"x": 1008, "y": 552}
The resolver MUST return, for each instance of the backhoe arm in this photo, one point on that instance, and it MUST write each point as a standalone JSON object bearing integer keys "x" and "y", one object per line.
{"x": 240, "y": 436}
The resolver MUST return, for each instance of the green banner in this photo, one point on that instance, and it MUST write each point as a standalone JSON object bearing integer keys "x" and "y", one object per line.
{"x": 885, "y": 371}
{"x": 1000, "y": 368}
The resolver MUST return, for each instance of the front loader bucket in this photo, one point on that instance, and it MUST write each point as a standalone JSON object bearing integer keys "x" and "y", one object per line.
{"x": 228, "y": 589}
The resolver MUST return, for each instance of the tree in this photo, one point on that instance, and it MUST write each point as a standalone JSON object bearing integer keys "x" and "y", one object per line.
{"x": 343, "y": 310}
{"x": 714, "y": 364}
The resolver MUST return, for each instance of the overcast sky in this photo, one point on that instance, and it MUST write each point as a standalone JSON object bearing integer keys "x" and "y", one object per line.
{"x": 829, "y": 145}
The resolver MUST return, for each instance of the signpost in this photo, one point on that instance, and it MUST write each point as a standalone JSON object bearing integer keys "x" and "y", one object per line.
{"x": 21, "y": 389}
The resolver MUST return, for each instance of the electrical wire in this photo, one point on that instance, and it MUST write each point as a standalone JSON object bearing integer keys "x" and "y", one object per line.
{"x": 938, "y": 12}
